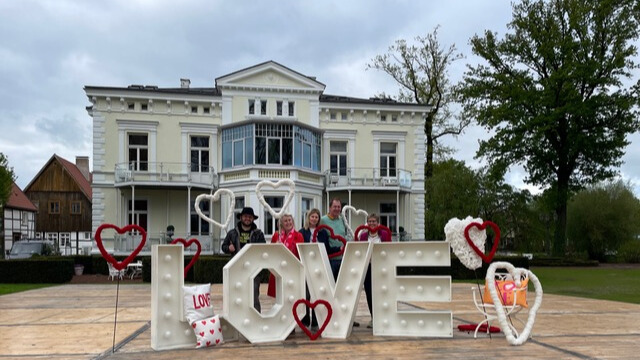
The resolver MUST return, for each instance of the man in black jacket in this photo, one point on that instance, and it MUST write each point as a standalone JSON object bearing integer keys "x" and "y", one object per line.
{"x": 245, "y": 232}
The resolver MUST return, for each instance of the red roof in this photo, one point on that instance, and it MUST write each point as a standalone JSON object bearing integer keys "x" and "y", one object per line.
{"x": 18, "y": 200}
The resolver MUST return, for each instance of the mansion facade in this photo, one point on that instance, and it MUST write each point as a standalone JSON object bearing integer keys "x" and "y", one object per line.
{"x": 156, "y": 149}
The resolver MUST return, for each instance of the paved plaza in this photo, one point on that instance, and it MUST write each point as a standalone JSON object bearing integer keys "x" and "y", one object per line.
{"x": 75, "y": 321}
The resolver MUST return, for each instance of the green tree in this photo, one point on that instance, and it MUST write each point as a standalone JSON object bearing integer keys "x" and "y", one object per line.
{"x": 455, "y": 190}
{"x": 7, "y": 178}
{"x": 552, "y": 93}
{"x": 421, "y": 71}
{"x": 601, "y": 218}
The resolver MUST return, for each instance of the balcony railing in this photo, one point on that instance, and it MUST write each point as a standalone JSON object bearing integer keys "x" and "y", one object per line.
{"x": 165, "y": 172}
{"x": 369, "y": 177}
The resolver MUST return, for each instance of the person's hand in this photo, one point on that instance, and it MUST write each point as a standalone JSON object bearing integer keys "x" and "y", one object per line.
{"x": 232, "y": 248}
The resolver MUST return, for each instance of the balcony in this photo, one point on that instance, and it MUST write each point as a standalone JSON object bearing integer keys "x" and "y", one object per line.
{"x": 369, "y": 178}
{"x": 165, "y": 174}
{"x": 124, "y": 244}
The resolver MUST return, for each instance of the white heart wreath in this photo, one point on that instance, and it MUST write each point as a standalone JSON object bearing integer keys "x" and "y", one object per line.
{"x": 454, "y": 235}
{"x": 287, "y": 201}
{"x": 216, "y": 197}
{"x": 351, "y": 209}
{"x": 500, "y": 312}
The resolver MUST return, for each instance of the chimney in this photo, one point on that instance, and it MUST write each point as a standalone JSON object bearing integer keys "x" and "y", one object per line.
{"x": 82, "y": 162}
{"x": 184, "y": 83}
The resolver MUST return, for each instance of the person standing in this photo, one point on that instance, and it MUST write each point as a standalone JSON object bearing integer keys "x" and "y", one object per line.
{"x": 379, "y": 235}
{"x": 245, "y": 232}
{"x": 312, "y": 221}
{"x": 290, "y": 238}
{"x": 334, "y": 220}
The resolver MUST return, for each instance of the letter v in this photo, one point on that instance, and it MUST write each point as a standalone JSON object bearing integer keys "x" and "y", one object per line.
{"x": 344, "y": 294}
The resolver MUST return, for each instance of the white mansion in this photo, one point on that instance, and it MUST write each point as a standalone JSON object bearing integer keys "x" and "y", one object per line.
{"x": 156, "y": 149}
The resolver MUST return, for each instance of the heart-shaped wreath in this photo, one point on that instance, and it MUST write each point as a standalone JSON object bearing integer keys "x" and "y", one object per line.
{"x": 216, "y": 197}
{"x": 186, "y": 244}
{"x": 276, "y": 185}
{"x": 496, "y": 238}
{"x": 333, "y": 236}
{"x": 370, "y": 229}
{"x": 119, "y": 265}
{"x": 313, "y": 305}
{"x": 352, "y": 210}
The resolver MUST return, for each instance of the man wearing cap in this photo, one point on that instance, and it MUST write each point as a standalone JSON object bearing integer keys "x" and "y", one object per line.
{"x": 245, "y": 232}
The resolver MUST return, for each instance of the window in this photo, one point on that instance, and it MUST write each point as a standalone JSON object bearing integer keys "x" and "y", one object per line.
{"x": 344, "y": 116}
{"x": 305, "y": 205}
{"x": 54, "y": 207}
{"x": 198, "y": 225}
{"x": 394, "y": 118}
{"x": 383, "y": 117}
{"x": 332, "y": 115}
{"x": 307, "y": 151}
{"x": 139, "y": 215}
{"x": 388, "y": 215}
{"x": 237, "y": 146}
{"x": 76, "y": 208}
{"x": 65, "y": 239}
{"x": 144, "y": 107}
{"x": 274, "y": 144}
{"x": 138, "y": 152}
{"x": 253, "y": 104}
{"x": 292, "y": 108}
{"x": 338, "y": 157}
{"x": 279, "y": 108}
{"x": 131, "y": 106}
{"x": 388, "y": 159}
{"x": 200, "y": 153}
{"x": 24, "y": 218}
{"x": 194, "y": 109}
{"x": 206, "y": 110}
{"x": 239, "y": 205}
{"x": 270, "y": 223}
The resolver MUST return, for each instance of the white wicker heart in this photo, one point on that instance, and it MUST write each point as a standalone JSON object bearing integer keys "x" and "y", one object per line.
{"x": 454, "y": 235}
{"x": 276, "y": 185}
{"x": 216, "y": 197}
{"x": 352, "y": 210}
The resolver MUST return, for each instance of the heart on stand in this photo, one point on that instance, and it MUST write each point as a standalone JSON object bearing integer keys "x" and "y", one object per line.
{"x": 312, "y": 305}
{"x": 496, "y": 238}
{"x": 501, "y": 313}
{"x": 186, "y": 244}
{"x": 370, "y": 229}
{"x": 216, "y": 197}
{"x": 454, "y": 235}
{"x": 333, "y": 236}
{"x": 119, "y": 265}
{"x": 352, "y": 210}
{"x": 276, "y": 185}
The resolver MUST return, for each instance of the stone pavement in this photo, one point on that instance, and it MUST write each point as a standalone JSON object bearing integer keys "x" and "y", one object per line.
{"x": 76, "y": 321}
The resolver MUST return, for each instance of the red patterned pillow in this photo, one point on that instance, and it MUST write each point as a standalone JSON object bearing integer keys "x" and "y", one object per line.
{"x": 208, "y": 332}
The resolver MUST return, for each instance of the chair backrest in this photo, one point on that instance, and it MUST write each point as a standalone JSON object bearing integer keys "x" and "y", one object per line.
{"x": 509, "y": 292}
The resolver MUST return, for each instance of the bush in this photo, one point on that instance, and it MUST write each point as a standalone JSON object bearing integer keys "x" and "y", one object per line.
{"x": 558, "y": 261}
{"x": 629, "y": 252}
{"x": 47, "y": 270}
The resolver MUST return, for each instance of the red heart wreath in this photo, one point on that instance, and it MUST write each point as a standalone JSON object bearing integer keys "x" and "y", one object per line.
{"x": 313, "y": 305}
{"x": 119, "y": 265}
{"x": 375, "y": 229}
{"x": 186, "y": 244}
{"x": 333, "y": 236}
{"x": 496, "y": 238}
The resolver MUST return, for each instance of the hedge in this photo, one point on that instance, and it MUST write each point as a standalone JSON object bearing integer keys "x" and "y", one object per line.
{"x": 45, "y": 270}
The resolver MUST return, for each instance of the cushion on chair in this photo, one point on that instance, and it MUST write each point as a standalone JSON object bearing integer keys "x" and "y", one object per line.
{"x": 208, "y": 332}
{"x": 505, "y": 290}
{"x": 197, "y": 302}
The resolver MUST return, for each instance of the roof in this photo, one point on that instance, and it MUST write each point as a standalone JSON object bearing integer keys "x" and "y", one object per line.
{"x": 369, "y": 101}
{"x": 73, "y": 171}
{"x": 18, "y": 200}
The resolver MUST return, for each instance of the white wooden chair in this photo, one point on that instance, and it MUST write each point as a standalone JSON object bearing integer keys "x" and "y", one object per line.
{"x": 113, "y": 272}
{"x": 513, "y": 299}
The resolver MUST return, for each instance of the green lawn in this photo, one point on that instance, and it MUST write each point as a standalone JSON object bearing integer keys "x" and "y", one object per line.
{"x": 12, "y": 288}
{"x": 605, "y": 283}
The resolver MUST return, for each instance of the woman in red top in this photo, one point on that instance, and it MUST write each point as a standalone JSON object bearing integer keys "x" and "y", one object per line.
{"x": 289, "y": 237}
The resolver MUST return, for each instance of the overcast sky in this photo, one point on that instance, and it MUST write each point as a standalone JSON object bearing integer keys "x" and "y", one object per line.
{"x": 49, "y": 50}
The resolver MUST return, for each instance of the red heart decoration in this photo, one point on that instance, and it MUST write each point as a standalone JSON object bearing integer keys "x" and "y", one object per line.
{"x": 308, "y": 303}
{"x": 186, "y": 244}
{"x": 122, "y": 264}
{"x": 496, "y": 238}
{"x": 333, "y": 236}
{"x": 375, "y": 229}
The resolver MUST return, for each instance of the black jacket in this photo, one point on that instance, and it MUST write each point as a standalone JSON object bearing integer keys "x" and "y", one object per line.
{"x": 233, "y": 237}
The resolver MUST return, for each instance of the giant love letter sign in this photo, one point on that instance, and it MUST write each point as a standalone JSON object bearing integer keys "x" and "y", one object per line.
{"x": 120, "y": 264}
